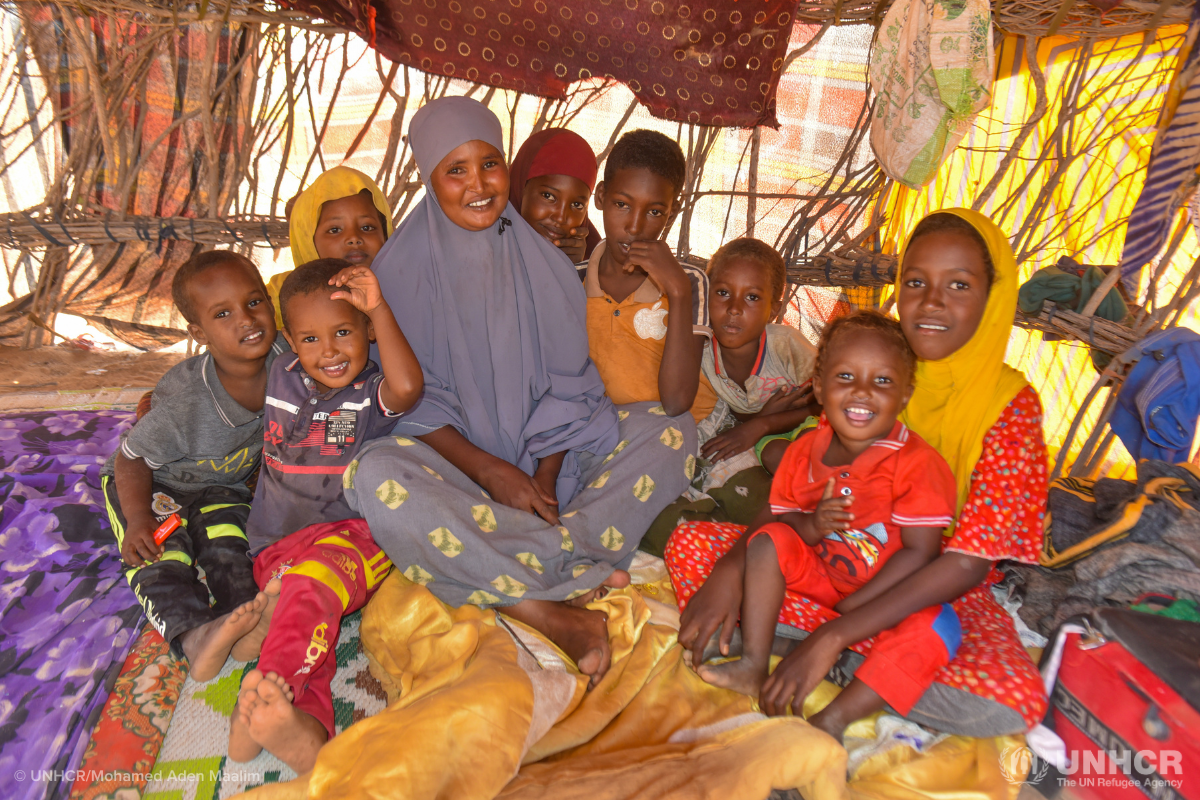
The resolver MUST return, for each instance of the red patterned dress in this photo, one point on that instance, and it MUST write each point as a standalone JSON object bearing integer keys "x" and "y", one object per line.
{"x": 1001, "y": 520}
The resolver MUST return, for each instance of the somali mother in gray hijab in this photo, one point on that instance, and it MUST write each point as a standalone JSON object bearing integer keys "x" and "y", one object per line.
{"x": 514, "y": 482}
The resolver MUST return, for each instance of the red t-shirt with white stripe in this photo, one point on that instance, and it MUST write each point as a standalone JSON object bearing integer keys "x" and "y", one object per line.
{"x": 899, "y": 481}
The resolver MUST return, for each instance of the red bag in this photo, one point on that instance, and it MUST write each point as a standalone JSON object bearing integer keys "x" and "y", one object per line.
{"x": 1126, "y": 703}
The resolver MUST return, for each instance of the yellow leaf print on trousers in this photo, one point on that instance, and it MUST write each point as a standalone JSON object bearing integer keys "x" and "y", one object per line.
{"x": 577, "y": 593}
{"x": 431, "y": 472}
{"x": 447, "y": 542}
{"x": 579, "y": 569}
{"x": 658, "y": 411}
{"x": 568, "y": 544}
{"x": 643, "y": 488}
{"x": 391, "y": 494}
{"x": 612, "y": 538}
{"x": 404, "y": 441}
{"x": 348, "y": 475}
{"x": 689, "y": 466}
{"x": 485, "y": 518}
{"x": 531, "y": 561}
{"x": 621, "y": 446}
{"x": 621, "y": 415}
{"x": 481, "y": 598}
{"x": 507, "y": 584}
{"x": 672, "y": 438}
{"x": 418, "y": 575}
{"x": 599, "y": 482}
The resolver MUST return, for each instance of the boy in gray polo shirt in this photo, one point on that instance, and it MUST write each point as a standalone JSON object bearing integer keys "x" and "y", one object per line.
{"x": 192, "y": 455}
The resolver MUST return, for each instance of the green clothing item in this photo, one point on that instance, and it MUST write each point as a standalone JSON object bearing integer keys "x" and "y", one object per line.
{"x": 1070, "y": 291}
{"x": 738, "y": 501}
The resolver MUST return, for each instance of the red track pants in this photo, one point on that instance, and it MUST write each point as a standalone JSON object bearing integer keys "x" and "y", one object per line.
{"x": 328, "y": 570}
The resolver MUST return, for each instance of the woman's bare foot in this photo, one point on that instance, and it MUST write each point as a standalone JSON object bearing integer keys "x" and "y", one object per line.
{"x": 745, "y": 676}
{"x": 289, "y": 734}
{"x": 619, "y": 579}
{"x": 208, "y": 646}
{"x": 242, "y": 747}
{"x": 580, "y": 632}
{"x": 249, "y": 646}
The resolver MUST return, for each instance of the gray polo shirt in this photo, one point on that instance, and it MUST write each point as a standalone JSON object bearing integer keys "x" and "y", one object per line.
{"x": 309, "y": 440}
{"x": 195, "y": 433}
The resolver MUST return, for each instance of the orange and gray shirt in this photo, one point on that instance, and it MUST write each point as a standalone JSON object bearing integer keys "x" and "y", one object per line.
{"x": 626, "y": 339}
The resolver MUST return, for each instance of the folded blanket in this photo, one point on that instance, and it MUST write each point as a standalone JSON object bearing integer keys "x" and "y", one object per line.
{"x": 481, "y": 708}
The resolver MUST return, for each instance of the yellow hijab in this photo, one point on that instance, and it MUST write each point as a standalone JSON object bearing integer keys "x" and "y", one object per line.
{"x": 332, "y": 184}
{"x": 959, "y": 398}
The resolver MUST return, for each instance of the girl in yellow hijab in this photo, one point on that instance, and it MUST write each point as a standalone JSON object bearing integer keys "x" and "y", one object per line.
{"x": 343, "y": 214}
{"x": 956, "y": 298}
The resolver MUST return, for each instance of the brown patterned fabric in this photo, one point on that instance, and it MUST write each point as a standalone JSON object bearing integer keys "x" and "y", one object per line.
{"x": 713, "y": 63}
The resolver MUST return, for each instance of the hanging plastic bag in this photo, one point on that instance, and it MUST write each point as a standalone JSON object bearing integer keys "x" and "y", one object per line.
{"x": 932, "y": 66}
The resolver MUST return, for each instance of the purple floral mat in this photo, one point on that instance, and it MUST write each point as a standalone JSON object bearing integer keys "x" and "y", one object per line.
{"x": 67, "y": 615}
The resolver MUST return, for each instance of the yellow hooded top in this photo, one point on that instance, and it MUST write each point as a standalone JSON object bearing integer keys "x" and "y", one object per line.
{"x": 332, "y": 184}
{"x": 959, "y": 398}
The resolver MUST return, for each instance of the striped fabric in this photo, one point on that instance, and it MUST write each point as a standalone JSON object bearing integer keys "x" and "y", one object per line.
{"x": 1172, "y": 175}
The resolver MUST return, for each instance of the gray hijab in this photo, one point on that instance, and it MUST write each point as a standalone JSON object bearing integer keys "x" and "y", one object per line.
{"x": 496, "y": 318}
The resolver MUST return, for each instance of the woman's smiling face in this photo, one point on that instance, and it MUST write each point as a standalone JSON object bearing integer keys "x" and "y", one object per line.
{"x": 943, "y": 293}
{"x": 471, "y": 185}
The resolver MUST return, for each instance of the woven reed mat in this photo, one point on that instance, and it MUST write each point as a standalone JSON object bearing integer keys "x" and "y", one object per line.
{"x": 192, "y": 764}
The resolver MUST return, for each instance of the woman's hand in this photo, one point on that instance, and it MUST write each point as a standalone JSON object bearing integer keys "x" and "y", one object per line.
{"x": 716, "y": 605}
{"x": 509, "y": 485}
{"x": 801, "y": 671}
{"x": 737, "y": 439}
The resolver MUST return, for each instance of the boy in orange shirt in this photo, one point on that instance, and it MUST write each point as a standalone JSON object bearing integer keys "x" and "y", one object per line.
{"x": 647, "y": 314}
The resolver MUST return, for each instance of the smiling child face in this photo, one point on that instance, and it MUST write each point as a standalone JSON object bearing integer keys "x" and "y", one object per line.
{"x": 351, "y": 229}
{"x": 555, "y": 204}
{"x": 943, "y": 293}
{"x": 331, "y": 338}
{"x": 863, "y": 386}
{"x": 235, "y": 319}
{"x": 471, "y": 185}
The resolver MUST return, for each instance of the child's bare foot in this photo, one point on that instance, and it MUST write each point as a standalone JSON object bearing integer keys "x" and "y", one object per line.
{"x": 854, "y": 702}
{"x": 242, "y": 747}
{"x": 619, "y": 579}
{"x": 744, "y": 676}
{"x": 713, "y": 648}
{"x": 249, "y": 646}
{"x": 289, "y": 734}
{"x": 580, "y": 632}
{"x": 208, "y": 646}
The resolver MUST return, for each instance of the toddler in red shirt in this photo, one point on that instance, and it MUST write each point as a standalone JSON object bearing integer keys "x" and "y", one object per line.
{"x": 856, "y": 506}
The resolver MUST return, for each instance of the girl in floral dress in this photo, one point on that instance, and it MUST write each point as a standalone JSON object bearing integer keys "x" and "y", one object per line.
{"x": 956, "y": 297}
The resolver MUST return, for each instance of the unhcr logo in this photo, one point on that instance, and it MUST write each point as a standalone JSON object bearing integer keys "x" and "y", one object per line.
{"x": 1019, "y": 765}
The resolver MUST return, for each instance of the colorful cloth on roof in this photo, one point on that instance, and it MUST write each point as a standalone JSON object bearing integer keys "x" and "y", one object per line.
{"x": 554, "y": 151}
{"x": 496, "y": 319}
{"x": 716, "y": 63}
{"x": 958, "y": 399}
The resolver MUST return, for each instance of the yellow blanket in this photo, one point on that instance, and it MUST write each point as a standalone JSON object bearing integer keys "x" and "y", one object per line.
{"x": 482, "y": 708}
